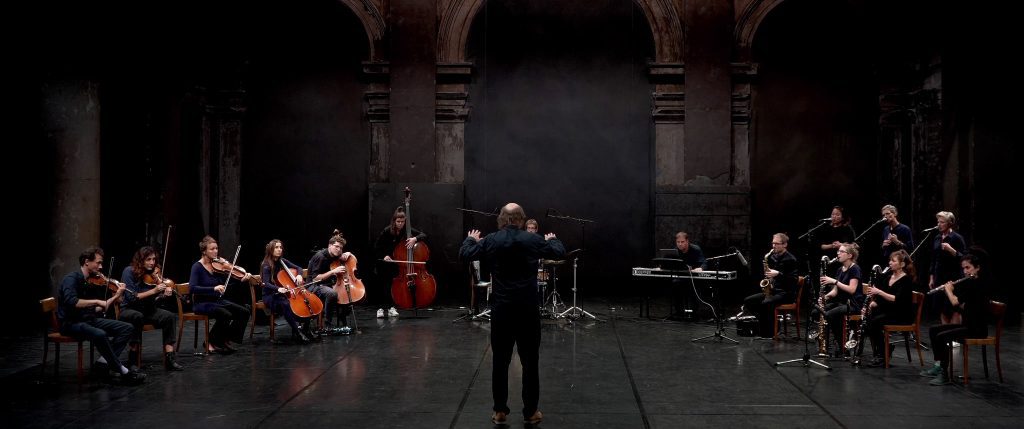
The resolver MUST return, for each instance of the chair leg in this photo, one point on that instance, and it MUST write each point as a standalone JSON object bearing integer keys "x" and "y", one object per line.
{"x": 966, "y": 356}
{"x": 775, "y": 324}
{"x": 906, "y": 343}
{"x": 252, "y": 323}
{"x": 56, "y": 359}
{"x": 796, "y": 321}
{"x": 181, "y": 328}
{"x": 999, "y": 365}
{"x": 46, "y": 350}
{"x": 917, "y": 340}
{"x": 206, "y": 339}
{"x": 273, "y": 325}
{"x": 984, "y": 360}
{"x": 195, "y": 339}
{"x": 886, "y": 335}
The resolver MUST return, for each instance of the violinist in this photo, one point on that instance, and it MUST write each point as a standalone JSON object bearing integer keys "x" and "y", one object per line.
{"x": 389, "y": 238}
{"x": 320, "y": 272}
{"x": 81, "y": 310}
{"x": 207, "y": 284}
{"x": 275, "y": 296}
{"x": 145, "y": 287}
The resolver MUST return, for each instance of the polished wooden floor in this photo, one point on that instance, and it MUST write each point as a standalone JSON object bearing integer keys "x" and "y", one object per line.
{"x": 431, "y": 372}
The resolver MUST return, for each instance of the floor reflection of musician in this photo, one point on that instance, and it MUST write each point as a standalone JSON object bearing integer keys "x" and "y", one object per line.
{"x": 781, "y": 270}
{"x": 684, "y": 297}
{"x": 846, "y": 297}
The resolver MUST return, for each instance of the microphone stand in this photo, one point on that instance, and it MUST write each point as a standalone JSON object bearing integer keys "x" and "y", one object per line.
{"x": 470, "y": 310}
{"x": 575, "y": 312}
{"x": 857, "y": 240}
{"x": 718, "y": 302}
{"x": 806, "y": 360}
{"x": 807, "y": 235}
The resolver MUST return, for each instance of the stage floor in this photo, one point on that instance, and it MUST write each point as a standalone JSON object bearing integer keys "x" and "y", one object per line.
{"x": 430, "y": 372}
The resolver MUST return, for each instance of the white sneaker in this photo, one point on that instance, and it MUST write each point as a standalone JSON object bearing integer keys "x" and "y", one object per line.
{"x": 392, "y": 312}
{"x": 956, "y": 344}
{"x": 380, "y": 313}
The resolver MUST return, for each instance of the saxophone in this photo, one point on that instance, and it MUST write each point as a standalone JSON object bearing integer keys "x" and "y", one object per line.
{"x": 865, "y": 311}
{"x": 767, "y": 283}
{"x": 822, "y": 322}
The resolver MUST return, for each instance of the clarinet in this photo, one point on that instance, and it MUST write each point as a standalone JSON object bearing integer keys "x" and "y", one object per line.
{"x": 822, "y": 323}
{"x": 865, "y": 311}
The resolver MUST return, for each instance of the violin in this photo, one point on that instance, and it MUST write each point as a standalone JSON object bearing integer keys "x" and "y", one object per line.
{"x": 222, "y": 266}
{"x": 98, "y": 279}
{"x": 156, "y": 278}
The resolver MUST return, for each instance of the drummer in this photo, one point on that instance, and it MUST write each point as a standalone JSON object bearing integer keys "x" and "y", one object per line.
{"x": 532, "y": 226}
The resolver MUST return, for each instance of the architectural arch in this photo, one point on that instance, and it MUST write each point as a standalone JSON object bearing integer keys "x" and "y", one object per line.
{"x": 747, "y": 22}
{"x": 368, "y": 12}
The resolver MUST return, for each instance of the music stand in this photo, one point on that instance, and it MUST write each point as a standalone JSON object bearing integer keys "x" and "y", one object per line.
{"x": 718, "y": 298}
{"x": 806, "y": 360}
{"x": 575, "y": 312}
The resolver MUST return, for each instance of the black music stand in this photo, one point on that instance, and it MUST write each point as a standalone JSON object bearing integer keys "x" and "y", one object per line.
{"x": 714, "y": 311}
{"x": 806, "y": 360}
{"x": 575, "y": 312}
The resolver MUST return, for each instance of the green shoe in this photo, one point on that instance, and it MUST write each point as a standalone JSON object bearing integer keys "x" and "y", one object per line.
{"x": 940, "y": 380}
{"x": 932, "y": 372}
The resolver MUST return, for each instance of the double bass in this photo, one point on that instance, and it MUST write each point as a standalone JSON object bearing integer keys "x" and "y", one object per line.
{"x": 413, "y": 287}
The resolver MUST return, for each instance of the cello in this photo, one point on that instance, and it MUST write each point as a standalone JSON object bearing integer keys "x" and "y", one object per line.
{"x": 303, "y": 302}
{"x": 350, "y": 288}
{"x": 412, "y": 288}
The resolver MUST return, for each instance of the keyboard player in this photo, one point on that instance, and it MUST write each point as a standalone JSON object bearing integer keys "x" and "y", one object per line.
{"x": 684, "y": 298}
{"x": 781, "y": 268}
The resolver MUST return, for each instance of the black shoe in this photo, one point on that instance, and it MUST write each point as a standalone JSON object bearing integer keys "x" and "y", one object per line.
{"x": 170, "y": 363}
{"x": 132, "y": 378}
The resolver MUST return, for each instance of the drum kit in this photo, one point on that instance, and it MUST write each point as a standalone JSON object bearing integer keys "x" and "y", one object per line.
{"x": 547, "y": 283}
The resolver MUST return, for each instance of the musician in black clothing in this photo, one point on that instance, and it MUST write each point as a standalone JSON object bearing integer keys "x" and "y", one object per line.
{"x": 781, "y": 270}
{"x": 891, "y": 302}
{"x": 838, "y": 232}
{"x": 684, "y": 296}
{"x": 81, "y": 309}
{"x": 323, "y": 278}
{"x": 276, "y": 296}
{"x": 895, "y": 235}
{"x": 947, "y": 249}
{"x": 971, "y": 296}
{"x": 141, "y": 305}
{"x": 389, "y": 238}
{"x": 847, "y": 296}
{"x": 515, "y": 315}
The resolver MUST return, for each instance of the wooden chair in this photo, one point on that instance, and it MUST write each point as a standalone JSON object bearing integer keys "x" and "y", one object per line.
{"x": 918, "y": 299}
{"x": 257, "y": 304}
{"x": 998, "y": 310}
{"x": 52, "y": 335}
{"x": 185, "y": 317}
{"x": 790, "y": 308}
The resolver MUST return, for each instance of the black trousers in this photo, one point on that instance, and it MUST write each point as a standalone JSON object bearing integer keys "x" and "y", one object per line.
{"x": 764, "y": 308}
{"x": 158, "y": 317}
{"x": 97, "y": 332}
{"x": 515, "y": 326}
{"x": 834, "y": 314}
{"x": 231, "y": 320}
{"x": 942, "y": 338}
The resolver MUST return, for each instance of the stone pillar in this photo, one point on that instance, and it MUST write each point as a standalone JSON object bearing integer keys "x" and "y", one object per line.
{"x": 377, "y": 107}
{"x": 71, "y": 122}
{"x": 450, "y": 121}
{"x": 742, "y": 76}
{"x": 221, "y": 171}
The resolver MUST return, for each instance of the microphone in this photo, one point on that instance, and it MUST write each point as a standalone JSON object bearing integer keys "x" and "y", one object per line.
{"x": 931, "y": 229}
{"x": 741, "y": 258}
{"x": 828, "y": 219}
{"x": 880, "y": 221}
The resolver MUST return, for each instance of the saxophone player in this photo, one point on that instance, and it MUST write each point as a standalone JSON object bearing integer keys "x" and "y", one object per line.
{"x": 780, "y": 273}
{"x": 892, "y": 302}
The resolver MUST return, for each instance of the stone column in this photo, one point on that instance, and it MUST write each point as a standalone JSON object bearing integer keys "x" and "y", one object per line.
{"x": 71, "y": 122}
{"x": 221, "y": 172}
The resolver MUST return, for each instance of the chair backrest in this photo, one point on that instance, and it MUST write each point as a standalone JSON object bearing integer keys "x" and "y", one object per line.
{"x": 182, "y": 289}
{"x": 918, "y": 298}
{"x": 474, "y": 268}
{"x": 49, "y": 307}
{"x": 998, "y": 310}
{"x": 800, "y": 281}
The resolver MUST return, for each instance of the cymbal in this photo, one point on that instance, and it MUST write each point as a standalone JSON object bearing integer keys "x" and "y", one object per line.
{"x": 551, "y": 262}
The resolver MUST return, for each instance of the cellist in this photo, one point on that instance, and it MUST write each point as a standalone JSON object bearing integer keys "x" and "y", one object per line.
{"x": 320, "y": 272}
{"x": 389, "y": 238}
{"x": 275, "y": 296}
{"x": 207, "y": 286}
{"x": 140, "y": 306}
